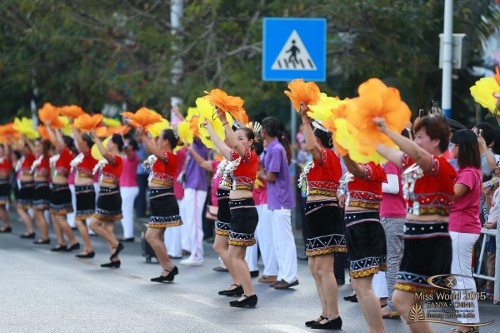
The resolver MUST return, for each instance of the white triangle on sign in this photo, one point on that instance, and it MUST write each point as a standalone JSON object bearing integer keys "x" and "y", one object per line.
{"x": 294, "y": 55}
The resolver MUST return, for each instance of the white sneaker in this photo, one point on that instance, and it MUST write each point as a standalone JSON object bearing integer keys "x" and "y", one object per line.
{"x": 190, "y": 262}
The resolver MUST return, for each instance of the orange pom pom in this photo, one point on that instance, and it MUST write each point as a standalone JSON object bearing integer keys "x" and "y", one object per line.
{"x": 9, "y": 131}
{"x": 143, "y": 117}
{"x": 43, "y": 132}
{"x": 300, "y": 91}
{"x": 48, "y": 113}
{"x": 122, "y": 130}
{"x": 86, "y": 122}
{"x": 101, "y": 131}
{"x": 231, "y": 104}
{"x": 73, "y": 111}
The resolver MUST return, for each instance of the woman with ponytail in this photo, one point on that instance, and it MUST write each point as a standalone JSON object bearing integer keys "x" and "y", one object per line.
{"x": 164, "y": 208}
{"x": 109, "y": 202}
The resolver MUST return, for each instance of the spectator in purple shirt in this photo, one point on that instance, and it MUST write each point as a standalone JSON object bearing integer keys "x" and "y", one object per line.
{"x": 280, "y": 201}
{"x": 195, "y": 193}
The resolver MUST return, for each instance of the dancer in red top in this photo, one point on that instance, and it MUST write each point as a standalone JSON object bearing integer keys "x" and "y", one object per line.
{"x": 26, "y": 190}
{"x": 83, "y": 164}
{"x": 5, "y": 188}
{"x": 60, "y": 197}
{"x": 109, "y": 203}
{"x": 428, "y": 184}
{"x": 325, "y": 235}
{"x": 365, "y": 235}
{"x": 41, "y": 198}
{"x": 244, "y": 217}
{"x": 164, "y": 208}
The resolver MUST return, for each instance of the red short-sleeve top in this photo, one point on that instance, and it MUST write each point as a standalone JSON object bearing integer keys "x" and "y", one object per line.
{"x": 366, "y": 192}
{"x": 432, "y": 193}
{"x": 62, "y": 166}
{"x": 164, "y": 171}
{"x": 43, "y": 167}
{"x": 324, "y": 177}
{"x": 243, "y": 177}
{"x": 112, "y": 171}
{"x": 86, "y": 165}
{"x": 27, "y": 162}
{"x": 5, "y": 167}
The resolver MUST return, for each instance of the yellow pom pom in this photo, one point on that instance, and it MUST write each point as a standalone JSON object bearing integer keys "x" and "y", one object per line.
{"x": 482, "y": 92}
{"x": 323, "y": 109}
{"x": 185, "y": 134}
{"x": 157, "y": 128}
{"x": 110, "y": 122}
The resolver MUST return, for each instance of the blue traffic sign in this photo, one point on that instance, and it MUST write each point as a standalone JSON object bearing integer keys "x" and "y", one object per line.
{"x": 294, "y": 48}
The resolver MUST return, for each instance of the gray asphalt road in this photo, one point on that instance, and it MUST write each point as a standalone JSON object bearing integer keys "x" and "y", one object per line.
{"x": 43, "y": 291}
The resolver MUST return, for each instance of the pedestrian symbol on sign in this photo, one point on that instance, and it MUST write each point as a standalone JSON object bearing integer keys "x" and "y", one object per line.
{"x": 294, "y": 55}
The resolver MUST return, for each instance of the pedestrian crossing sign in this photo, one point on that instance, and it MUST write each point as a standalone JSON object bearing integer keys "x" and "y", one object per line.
{"x": 294, "y": 48}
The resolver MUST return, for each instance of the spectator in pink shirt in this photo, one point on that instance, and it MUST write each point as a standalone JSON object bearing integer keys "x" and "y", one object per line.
{"x": 464, "y": 223}
{"x": 129, "y": 189}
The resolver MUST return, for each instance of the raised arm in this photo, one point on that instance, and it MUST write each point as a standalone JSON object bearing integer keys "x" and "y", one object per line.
{"x": 78, "y": 138}
{"x": 104, "y": 151}
{"x": 311, "y": 144}
{"x": 414, "y": 151}
{"x": 356, "y": 169}
{"x": 55, "y": 138}
{"x": 231, "y": 136}
{"x": 221, "y": 146}
{"x": 391, "y": 154}
{"x": 30, "y": 144}
{"x": 151, "y": 147}
{"x": 207, "y": 165}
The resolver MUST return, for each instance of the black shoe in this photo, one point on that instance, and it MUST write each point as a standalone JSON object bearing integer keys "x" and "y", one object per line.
{"x": 248, "y": 301}
{"x": 128, "y": 240}
{"x": 28, "y": 236}
{"x": 168, "y": 278}
{"x": 331, "y": 324}
{"x": 340, "y": 282}
{"x": 87, "y": 255}
{"x": 351, "y": 298}
{"x": 42, "y": 242}
{"x": 302, "y": 257}
{"x": 72, "y": 247}
{"x": 310, "y": 322}
{"x": 117, "y": 251}
{"x": 254, "y": 274}
{"x": 238, "y": 291}
{"x": 112, "y": 264}
{"x": 6, "y": 230}
{"x": 59, "y": 248}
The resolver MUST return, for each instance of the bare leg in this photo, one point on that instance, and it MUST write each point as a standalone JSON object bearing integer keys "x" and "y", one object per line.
{"x": 27, "y": 220}
{"x": 58, "y": 230}
{"x": 403, "y": 301}
{"x": 84, "y": 232}
{"x": 4, "y": 215}
{"x": 220, "y": 247}
{"x": 42, "y": 223}
{"x": 155, "y": 238}
{"x": 312, "y": 263}
{"x": 324, "y": 268}
{"x": 63, "y": 224}
{"x": 369, "y": 304}
{"x": 237, "y": 256}
{"x": 105, "y": 230}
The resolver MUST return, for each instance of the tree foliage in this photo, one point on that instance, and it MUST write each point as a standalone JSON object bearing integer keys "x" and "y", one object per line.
{"x": 96, "y": 52}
